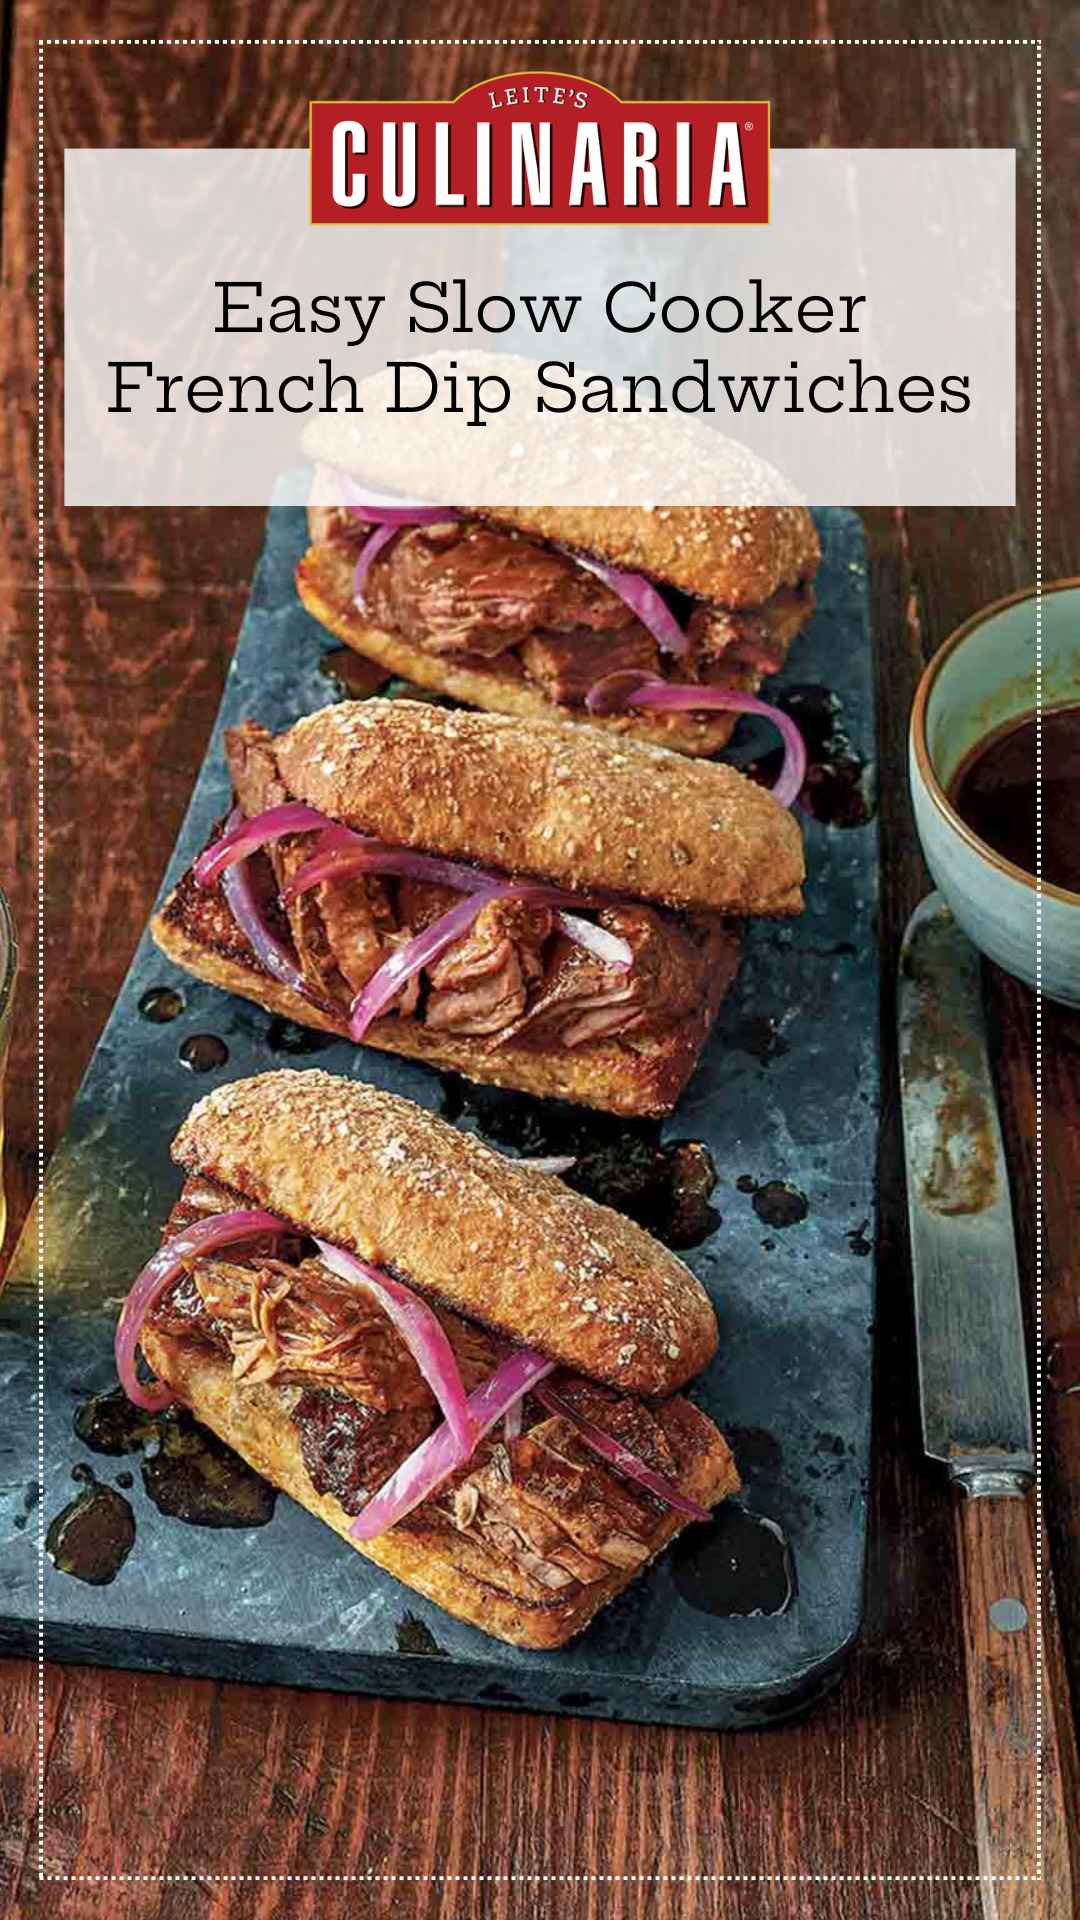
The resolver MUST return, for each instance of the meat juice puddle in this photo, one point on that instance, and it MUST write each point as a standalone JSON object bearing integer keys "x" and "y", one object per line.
{"x": 187, "y": 1472}
{"x": 776, "y": 1202}
{"x": 289, "y": 1037}
{"x": 161, "y": 1004}
{"x": 355, "y": 677}
{"x": 995, "y": 791}
{"x": 839, "y": 786}
{"x": 739, "y": 1566}
{"x": 666, "y": 1188}
{"x": 92, "y": 1536}
{"x": 203, "y": 1053}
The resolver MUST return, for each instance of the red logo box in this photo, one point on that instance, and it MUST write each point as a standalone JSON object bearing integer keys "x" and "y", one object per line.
{"x": 537, "y": 149}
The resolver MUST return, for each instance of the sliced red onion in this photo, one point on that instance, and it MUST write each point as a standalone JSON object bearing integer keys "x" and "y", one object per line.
{"x": 512, "y": 1421}
{"x": 436, "y": 1458}
{"x": 610, "y": 948}
{"x": 202, "y": 1236}
{"x": 387, "y": 981}
{"x": 338, "y": 839}
{"x": 272, "y": 955}
{"x": 420, "y": 1330}
{"x": 388, "y": 518}
{"x": 388, "y": 509}
{"x": 325, "y": 869}
{"x": 644, "y": 601}
{"x": 342, "y": 854}
{"x": 631, "y": 688}
{"x": 372, "y": 546}
{"x": 620, "y": 1457}
{"x": 276, "y": 958}
{"x": 396, "y": 518}
{"x": 617, "y": 691}
{"x": 249, "y": 835}
{"x": 336, "y": 861}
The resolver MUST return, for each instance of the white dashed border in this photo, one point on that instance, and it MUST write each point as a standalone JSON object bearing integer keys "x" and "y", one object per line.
{"x": 554, "y": 1879}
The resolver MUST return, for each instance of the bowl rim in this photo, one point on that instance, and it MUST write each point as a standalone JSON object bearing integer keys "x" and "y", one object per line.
{"x": 921, "y": 750}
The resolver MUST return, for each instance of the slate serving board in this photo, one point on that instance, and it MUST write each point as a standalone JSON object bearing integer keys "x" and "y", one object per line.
{"x": 788, "y": 1091}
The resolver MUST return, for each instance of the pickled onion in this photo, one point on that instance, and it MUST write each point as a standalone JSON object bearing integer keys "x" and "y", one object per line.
{"x": 202, "y": 1236}
{"x": 435, "y": 1459}
{"x": 631, "y": 688}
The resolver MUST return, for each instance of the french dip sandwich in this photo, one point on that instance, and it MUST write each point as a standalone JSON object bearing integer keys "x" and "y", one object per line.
{"x": 644, "y": 621}
{"x": 466, "y": 1369}
{"x": 527, "y": 903}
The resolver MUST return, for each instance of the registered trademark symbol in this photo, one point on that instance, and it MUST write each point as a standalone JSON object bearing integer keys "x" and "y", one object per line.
{"x": 748, "y": 126}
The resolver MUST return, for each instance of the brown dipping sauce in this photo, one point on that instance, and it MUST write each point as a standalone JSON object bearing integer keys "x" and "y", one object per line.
{"x": 994, "y": 792}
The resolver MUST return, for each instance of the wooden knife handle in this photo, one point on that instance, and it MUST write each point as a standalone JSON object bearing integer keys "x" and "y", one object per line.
{"x": 1005, "y": 1665}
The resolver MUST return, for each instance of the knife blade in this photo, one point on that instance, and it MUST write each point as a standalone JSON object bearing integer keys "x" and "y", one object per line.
{"x": 973, "y": 1377}
{"x": 976, "y": 1418}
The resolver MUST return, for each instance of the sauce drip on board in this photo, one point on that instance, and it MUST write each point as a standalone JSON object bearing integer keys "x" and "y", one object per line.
{"x": 188, "y": 1473}
{"x": 666, "y": 1187}
{"x": 92, "y": 1536}
{"x": 741, "y": 1565}
{"x": 995, "y": 793}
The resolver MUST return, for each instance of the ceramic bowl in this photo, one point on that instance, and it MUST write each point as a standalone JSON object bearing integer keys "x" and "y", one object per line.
{"x": 982, "y": 677}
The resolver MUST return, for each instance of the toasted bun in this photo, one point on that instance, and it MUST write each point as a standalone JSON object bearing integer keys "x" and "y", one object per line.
{"x": 736, "y": 555}
{"x": 730, "y": 556}
{"x": 514, "y": 1249}
{"x": 564, "y": 804}
{"x": 324, "y": 581}
{"x": 641, "y": 1077}
{"x": 254, "y": 1421}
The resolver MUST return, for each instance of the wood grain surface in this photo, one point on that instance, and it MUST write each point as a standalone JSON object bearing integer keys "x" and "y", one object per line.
{"x": 453, "y": 1811}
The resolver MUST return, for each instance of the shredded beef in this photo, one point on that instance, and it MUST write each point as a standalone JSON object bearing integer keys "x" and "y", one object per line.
{"x": 465, "y": 588}
{"x": 512, "y": 974}
{"x": 348, "y": 1449}
{"x": 551, "y": 1508}
{"x": 533, "y": 1516}
{"x": 302, "y": 1324}
{"x": 728, "y": 646}
{"x": 293, "y": 1322}
{"x": 583, "y": 999}
{"x": 481, "y": 984}
{"x": 566, "y": 665}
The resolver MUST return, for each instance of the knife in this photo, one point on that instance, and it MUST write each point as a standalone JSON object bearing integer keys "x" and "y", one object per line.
{"x": 976, "y": 1418}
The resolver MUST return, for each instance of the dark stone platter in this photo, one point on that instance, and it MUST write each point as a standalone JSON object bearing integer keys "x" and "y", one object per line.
{"x": 786, "y": 1101}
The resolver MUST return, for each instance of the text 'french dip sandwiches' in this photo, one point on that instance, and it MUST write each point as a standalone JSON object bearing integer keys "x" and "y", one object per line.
{"x": 468, "y": 1370}
{"x": 525, "y": 902}
{"x": 660, "y": 623}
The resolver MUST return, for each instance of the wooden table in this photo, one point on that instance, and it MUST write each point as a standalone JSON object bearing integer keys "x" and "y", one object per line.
{"x": 199, "y": 1781}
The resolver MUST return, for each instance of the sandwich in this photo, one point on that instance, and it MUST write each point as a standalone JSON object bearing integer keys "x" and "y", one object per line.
{"x": 656, "y": 623}
{"x": 466, "y": 1369}
{"x": 524, "y": 902}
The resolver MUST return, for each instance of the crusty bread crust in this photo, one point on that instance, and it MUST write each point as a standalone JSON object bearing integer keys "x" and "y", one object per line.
{"x": 564, "y": 804}
{"x": 517, "y": 1250}
{"x": 641, "y": 1076}
{"x": 728, "y": 556}
{"x": 732, "y": 556}
{"x": 254, "y": 1422}
{"x": 324, "y": 580}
